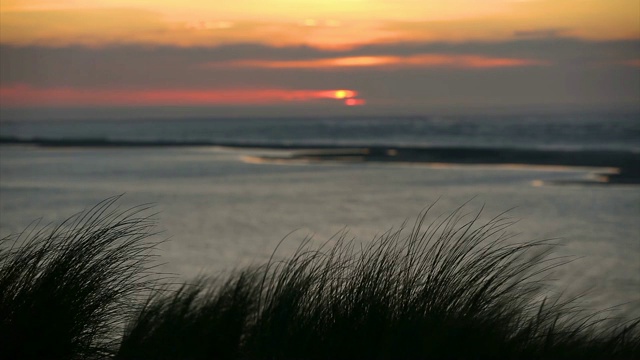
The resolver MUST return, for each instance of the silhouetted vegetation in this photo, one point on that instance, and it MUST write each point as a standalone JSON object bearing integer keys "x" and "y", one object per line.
{"x": 450, "y": 287}
{"x": 65, "y": 291}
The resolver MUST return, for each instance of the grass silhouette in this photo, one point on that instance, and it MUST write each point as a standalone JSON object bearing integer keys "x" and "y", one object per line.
{"x": 66, "y": 290}
{"x": 452, "y": 287}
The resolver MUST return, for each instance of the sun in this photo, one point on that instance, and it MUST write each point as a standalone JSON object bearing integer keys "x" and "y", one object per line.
{"x": 341, "y": 94}
{"x": 344, "y": 94}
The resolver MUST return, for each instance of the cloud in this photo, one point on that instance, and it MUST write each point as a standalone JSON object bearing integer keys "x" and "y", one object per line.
{"x": 633, "y": 62}
{"x": 401, "y": 75}
{"x": 21, "y": 95}
{"x": 386, "y": 62}
{"x": 133, "y": 65}
{"x": 541, "y": 33}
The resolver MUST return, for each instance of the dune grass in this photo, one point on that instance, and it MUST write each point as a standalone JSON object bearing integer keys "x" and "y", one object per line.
{"x": 66, "y": 290}
{"x": 452, "y": 286}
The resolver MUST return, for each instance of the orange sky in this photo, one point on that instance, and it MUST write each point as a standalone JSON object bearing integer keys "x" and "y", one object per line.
{"x": 321, "y": 23}
{"x": 407, "y": 55}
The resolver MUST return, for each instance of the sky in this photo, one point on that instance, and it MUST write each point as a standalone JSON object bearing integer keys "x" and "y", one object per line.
{"x": 302, "y": 56}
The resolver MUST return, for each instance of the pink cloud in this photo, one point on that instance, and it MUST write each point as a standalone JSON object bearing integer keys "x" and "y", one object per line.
{"x": 24, "y": 96}
{"x": 421, "y": 61}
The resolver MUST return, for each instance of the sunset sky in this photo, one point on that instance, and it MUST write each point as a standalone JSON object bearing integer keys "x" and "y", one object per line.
{"x": 342, "y": 56}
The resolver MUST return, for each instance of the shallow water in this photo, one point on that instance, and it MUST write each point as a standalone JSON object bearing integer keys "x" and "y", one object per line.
{"x": 219, "y": 212}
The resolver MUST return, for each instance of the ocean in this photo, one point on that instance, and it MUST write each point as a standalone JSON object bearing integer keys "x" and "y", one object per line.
{"x": 228, "y": 190}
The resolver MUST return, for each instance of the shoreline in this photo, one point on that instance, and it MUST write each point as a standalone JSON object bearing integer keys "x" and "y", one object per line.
{"x": 626, "y": 164}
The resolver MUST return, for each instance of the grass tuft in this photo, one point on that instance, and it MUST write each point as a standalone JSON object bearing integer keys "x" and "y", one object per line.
{"x": 452, "y": 286}
{"x": 65, "y": 291}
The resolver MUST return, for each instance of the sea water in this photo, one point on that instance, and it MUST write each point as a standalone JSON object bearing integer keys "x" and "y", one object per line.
{"x": 220, "y": 212}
